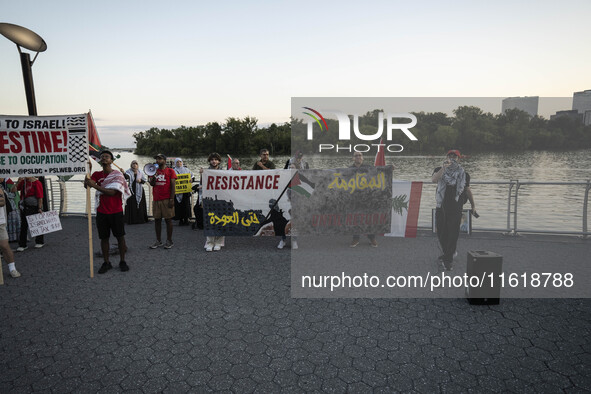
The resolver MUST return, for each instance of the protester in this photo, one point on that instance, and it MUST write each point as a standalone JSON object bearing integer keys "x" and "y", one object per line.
{"x": 13, "y": 221}
{"x": 214, "y": 243}
{"x": 453, "y": 189}
{"x": 136, "y": 211}
{"x": 111, "y": 193}
{"x": 297, "y": 162}
{"x": 163, "y": 183}
{"x": 359, "y": 166}
{"x": 235, "y": 165}
{"x": 31, "y": 204}
{"x": 264, "y": 163}
{"x": 5, "y": 208}
{"x": 182, "y": 201}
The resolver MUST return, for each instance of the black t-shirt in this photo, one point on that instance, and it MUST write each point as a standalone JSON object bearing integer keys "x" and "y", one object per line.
{"x": 450, "y": 192}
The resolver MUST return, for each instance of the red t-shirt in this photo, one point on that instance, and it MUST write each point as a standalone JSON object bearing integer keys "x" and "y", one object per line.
{"x": 108, "y": 204}
{"x": 162, "y": 183}
{"x": 30, "y": 189}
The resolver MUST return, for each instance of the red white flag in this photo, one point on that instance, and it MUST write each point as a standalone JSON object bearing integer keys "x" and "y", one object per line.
{"x": 406, "y": 202}
{"x": 380, "y": 156}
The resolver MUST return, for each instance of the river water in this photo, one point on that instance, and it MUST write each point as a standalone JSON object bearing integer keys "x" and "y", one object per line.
{"x": 540, "y": 207}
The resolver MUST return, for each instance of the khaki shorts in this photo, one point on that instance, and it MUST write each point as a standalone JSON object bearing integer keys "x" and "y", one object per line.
{"x": 160, "y": 210}
{"x": 3, "y": 232}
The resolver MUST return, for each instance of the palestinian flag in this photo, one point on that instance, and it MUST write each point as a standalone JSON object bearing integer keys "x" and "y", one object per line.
{"x": 302, "y": 185}
{"x": 94, "y": 142}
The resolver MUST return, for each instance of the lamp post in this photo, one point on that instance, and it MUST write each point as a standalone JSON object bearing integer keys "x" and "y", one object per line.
{"x": 25, "y": 38}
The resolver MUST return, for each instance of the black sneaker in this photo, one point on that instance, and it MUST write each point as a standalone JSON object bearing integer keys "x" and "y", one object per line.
{"x": 105, "y": 267}
{"x": 123, "y": 266}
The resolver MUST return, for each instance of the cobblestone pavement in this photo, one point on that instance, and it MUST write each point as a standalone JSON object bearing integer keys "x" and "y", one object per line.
{"x": 185, "y": 320}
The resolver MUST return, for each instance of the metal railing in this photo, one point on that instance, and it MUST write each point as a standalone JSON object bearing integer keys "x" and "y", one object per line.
{"x": 59, "y": 197}
{"x": 513, "y": 188}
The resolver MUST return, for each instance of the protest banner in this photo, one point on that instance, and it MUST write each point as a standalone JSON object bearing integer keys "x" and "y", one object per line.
{"x": 44, "y": 223}
{"x": 182, "y": 184}
{"x": 342, "y": 201}
{"x": 43, "y": 145}
{"x": 239, "y": 202}
{"x": 406, "y": 201}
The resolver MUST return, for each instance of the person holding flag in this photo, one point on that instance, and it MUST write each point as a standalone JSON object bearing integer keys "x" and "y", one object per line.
{"x": 111, "y": 193}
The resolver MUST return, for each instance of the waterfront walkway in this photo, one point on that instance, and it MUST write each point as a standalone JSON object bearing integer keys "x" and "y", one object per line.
{"x": 184, "y": 320}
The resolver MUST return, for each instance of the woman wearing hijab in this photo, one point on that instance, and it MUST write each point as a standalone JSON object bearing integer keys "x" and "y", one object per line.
{"x": 182, "y": 202}
{"x": 136, "y": 211}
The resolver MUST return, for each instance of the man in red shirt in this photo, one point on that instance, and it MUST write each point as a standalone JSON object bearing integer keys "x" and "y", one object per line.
{"x": 163, "y": 183}
{"x": 32, "y": 204}
{"x": 112, "y": 191}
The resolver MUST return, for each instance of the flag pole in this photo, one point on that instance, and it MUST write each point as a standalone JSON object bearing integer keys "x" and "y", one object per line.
{"x": 281, "y": 195}
{"x": 1, "y": 274}
{"x": 89, "y": 215}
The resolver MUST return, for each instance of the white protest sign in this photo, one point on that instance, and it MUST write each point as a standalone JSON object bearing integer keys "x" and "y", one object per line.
{"x": 44, "y": 223}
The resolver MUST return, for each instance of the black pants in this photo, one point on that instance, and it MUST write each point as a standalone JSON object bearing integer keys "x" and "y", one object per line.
{"x": 448, "y": 229}
{"x": 22, "y": 239}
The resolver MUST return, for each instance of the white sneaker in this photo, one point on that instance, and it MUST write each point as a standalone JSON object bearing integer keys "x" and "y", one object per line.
{"x": 209, "y": 249}
{"x": 455, "y": 254}
{"x": 39, "y": 246}
{"x": 22, "y": 248}
{"x": 294, "y": 244}
{"x": 217, "y": 247}
{"x": 281, "y": 245}
{"x": 15, "y": 273}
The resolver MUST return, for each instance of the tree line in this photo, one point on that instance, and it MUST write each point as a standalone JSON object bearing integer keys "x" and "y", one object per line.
{"x": 236, "y": 137}
{"x": 469, "y": 129}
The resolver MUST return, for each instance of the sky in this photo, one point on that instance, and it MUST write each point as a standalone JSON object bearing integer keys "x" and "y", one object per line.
{"x": 143, "y": 64}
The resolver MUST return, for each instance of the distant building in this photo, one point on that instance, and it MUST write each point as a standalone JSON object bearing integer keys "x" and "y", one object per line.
{"x": 573, "y": 114}
{"x": 582, "y": 102}
{"x": 527, "y": 104}
{"x": 587, "y": 118}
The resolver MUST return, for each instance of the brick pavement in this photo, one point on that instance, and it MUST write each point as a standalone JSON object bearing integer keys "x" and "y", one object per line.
{"x": 184, "y": 320}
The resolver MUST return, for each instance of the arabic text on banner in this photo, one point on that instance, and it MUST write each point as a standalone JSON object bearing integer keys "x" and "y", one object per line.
{"x": 343, "y": 201}
{"x": 238, "y": 202}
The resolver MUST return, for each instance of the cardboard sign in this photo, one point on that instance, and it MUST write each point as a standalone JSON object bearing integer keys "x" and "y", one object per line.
{"x": 183, "y": 184}
{"x": 44, "y": 223}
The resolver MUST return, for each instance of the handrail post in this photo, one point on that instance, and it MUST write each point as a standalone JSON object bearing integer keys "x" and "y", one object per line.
{"x": 509, "y": 207}
{"x": 62, "y": 197}
{"x": 585, "y": 206}
{"x": 515, "y": 211}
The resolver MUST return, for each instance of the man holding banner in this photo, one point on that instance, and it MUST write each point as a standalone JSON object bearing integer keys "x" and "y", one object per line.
{"x": 111, "y": 193}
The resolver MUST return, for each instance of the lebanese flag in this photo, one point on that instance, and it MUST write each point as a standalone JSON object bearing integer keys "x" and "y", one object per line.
{"x": 380, "y": 156}
{"x": 406, "y": 201}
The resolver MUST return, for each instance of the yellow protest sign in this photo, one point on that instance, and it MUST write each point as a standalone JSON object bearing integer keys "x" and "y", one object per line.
{"x": 183, "y": 184}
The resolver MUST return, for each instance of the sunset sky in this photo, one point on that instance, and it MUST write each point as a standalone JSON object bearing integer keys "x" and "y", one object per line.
{"x": 142, "y": 64}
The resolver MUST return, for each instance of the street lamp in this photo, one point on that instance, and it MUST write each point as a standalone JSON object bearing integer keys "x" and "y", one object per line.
{"x": 30, "y": 40}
